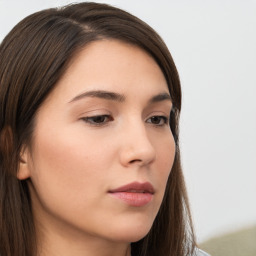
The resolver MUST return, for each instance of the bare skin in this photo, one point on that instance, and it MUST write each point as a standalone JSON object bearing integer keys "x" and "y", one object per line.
{"x": 104, "y": 125}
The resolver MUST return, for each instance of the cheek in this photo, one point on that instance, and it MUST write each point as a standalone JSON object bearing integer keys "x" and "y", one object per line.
{"x": 67, "y": 165}
{"x": 68, "y": 149}
{"x": 165, "y": 154}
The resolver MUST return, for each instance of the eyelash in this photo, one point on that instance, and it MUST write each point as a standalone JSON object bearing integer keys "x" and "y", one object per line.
{"x": 163, "y": 120}
{"x": 101, "y": 120}
{"x": 94, "y": 120}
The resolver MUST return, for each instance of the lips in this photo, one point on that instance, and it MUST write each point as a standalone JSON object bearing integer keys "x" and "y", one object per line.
{"x": 135, "y": 187}
{"x": 134, "y": 194}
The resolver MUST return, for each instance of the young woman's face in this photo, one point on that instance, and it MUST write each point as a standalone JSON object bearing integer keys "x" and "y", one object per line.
{"x": 102, "y": 149}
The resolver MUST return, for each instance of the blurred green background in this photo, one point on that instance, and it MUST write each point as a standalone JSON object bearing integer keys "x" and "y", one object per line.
{"x": 240, "y": 243}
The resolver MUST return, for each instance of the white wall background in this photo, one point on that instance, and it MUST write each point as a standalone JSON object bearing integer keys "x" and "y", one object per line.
{"x": 214, "y": 46}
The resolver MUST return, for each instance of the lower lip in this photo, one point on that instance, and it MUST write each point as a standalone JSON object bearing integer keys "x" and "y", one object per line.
{"x": 134, "y": 199}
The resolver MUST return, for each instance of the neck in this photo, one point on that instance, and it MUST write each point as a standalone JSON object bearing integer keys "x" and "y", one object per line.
{"x": 55, "y": 242}
{"x": 55, "y": 245}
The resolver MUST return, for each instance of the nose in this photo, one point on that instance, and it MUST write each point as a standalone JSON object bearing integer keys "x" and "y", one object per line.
{"x": 136, "y": 146}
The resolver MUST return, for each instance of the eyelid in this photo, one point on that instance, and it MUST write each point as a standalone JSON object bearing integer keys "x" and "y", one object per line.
{"x": 163, "y": 118}
{"x": 94, "y": 111}
{"x": 97, "y": 120}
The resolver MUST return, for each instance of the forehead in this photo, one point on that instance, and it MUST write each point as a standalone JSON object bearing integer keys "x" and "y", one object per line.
{"x": 112, "y": 53}
{"x": 112, "y": 65}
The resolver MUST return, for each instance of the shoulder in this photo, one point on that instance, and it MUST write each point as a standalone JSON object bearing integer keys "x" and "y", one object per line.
{"x": 201, "y": 253}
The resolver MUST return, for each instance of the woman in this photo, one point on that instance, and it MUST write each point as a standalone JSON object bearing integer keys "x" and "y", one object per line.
{"x": 89, "y": 160}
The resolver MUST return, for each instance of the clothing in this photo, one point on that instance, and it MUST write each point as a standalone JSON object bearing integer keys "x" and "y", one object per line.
{"x": 201, "y": 253}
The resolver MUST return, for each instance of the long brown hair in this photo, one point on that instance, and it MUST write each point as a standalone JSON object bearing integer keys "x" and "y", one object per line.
{"x": 33, "y": 57}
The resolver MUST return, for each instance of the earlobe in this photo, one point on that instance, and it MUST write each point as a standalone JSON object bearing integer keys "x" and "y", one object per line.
{"x": 23, "y": 168}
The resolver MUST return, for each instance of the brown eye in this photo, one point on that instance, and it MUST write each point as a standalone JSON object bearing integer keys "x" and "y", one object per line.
{"x": 158, "y": 120}
{"x": 98, "y": 120}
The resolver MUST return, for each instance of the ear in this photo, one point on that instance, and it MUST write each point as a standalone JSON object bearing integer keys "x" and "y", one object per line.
{"x": 23, "y": 168}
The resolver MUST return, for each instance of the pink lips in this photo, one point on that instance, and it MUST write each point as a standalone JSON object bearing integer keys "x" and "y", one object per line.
{"x": 134, "y": 194}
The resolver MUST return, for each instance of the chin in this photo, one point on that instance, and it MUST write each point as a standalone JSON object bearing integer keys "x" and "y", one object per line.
{"x": 131, "y": 232}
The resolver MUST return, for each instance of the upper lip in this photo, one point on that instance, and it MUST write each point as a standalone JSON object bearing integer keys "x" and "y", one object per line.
{"x": 135, "y": 187}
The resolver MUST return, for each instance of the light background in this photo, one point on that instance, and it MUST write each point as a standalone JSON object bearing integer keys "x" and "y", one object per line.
{"x": 214, "y": 46}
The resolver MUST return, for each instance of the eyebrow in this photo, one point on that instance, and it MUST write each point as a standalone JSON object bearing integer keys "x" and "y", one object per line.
{"x": 113, "y": 96}
{"x": 100, "y": 94}
{"x": 160, "y": 97}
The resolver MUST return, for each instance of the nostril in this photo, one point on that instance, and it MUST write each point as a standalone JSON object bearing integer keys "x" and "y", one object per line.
{"x": 135, "y": 160}
{"x": 139, "y": 151}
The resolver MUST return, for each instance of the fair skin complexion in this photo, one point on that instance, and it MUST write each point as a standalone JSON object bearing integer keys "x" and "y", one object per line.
{"x": 103, "y": 126}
